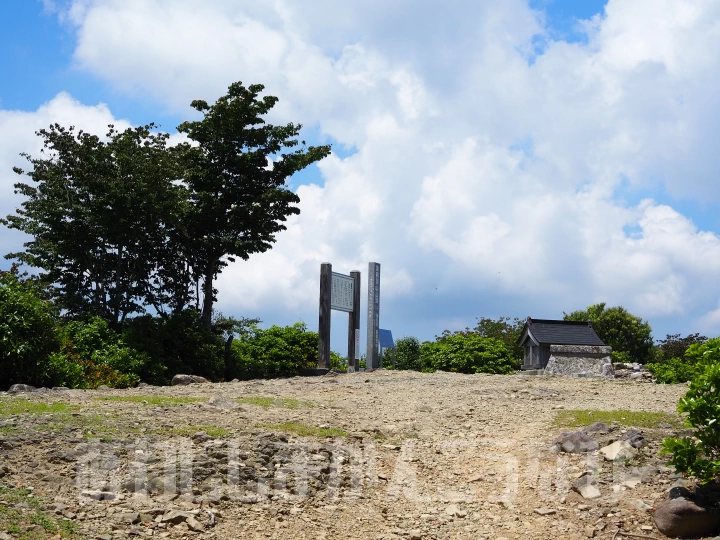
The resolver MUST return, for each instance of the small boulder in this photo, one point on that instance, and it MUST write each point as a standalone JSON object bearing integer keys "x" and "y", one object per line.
{"x": 685, "y": 519}
{"x": 618, "y": 450}
{"x": 586, "y": 486}
{"x": 576, "y": 442}
{"x": 176, "y": 517}
{"x": 635, "y": 437}
{"x": 598, "y": 427}
{"x": 223, "y": 402}
{"x": 180, "y": 380}
{"x": 21, "y": 389}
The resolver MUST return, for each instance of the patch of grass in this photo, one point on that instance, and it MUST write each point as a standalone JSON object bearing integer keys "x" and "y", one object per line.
{"x": 20, "y": 523}
{"x": 308, "y": 431}
{"x": 154, "y": 400}
{"x": 266, "y": 402}
{"x": 188, "y": 431}
{"x": 25, "y": 406}
{"x": 575, "y": 418}
{"x": 4, "y": 430}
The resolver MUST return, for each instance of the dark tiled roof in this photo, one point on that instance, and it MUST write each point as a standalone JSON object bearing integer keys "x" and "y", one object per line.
{"x": 550, "y": 332}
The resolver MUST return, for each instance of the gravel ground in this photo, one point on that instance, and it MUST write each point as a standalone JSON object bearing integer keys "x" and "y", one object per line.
{"x": 364, "y": 455}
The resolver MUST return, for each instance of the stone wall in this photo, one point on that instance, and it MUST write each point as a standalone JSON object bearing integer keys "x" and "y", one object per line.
{"x": 580, "y": 361}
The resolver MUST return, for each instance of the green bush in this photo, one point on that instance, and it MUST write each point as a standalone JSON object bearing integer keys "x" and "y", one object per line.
{"x": 679, "y": 370}
{"x": 405, "y": 355}
{"x": 176, "y": 344}
{"x": 100, "y": 353}
{"x": 467, "y": 352}
{"x": 27, "y": 332}
{"x": 338, "y": 362}
{"x": 699, "y": 455}
{"x": 274, "y": 352}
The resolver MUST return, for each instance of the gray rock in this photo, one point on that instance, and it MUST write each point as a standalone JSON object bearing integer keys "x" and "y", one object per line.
{"x": 194, "y": 525}
{"x": 635, "y": 437}
{"x": 179, "y": 380}
{"x": 685, "y": 519}
{"x": 576, "y": 442}
{"x": 176, "y": 517}
{"x": 98, "y": 495}
{"x": 598, "y": 427}
{"x": 222, "y": 402}
{"x": 131, "y": 518}
{"x": 587, "y": 487}
{"x": 618, "y": 450}
{"x": 21, "y": 389}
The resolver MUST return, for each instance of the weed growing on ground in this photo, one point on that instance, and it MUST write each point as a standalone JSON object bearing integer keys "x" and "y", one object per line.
{"x": 34, "y": 523}
{"x": 585, "y": 417}
{"x": 25, "y": 406}
{"x": 266, "y": 402}
{"x": 154, "y": 400}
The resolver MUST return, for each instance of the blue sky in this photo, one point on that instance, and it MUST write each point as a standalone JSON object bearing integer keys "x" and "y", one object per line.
{"x": 521, "y": 159}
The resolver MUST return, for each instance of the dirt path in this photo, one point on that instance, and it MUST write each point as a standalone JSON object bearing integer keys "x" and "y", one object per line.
{"x": 376, "y": 455}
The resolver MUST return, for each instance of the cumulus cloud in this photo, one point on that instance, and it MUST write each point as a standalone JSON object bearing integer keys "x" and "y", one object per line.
{"x": 488, "y": 175}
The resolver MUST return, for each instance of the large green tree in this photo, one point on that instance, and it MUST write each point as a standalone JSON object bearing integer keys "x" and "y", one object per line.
{"x": 236, "y": 173}
{"x": 506, "y": 330}
{"x": 623, "y": 331}
{"x": 100, "y": 213}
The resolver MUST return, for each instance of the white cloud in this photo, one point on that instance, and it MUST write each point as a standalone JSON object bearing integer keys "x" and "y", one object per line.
{"x": 495, "y": 179}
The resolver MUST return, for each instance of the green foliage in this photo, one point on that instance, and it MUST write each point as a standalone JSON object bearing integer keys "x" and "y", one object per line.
{"x": 180, "y": 344}
{"x": 691, "y": 365}
{"x": 236, "y": 177}
{"x": 467, "y": 352}
{"x": 92, "y": 348}
{"x": 619, "y": 329}
{"x": 699, "y": 455}
{"x": 506, "y": 330}
{"x": 103, "y": 214}
{"x": 405, "y": 355}
{"x": 274, "y": 352}
{"x": 338, "y": 362}
{"x": 674, "y": 346}
{"x": 27, "y": 332}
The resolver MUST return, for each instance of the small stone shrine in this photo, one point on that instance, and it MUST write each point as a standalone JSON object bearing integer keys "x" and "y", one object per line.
{"x": 564, "y": 348}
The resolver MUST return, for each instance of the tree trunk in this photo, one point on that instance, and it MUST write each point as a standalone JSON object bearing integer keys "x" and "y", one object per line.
{"x": 208, "y": 298}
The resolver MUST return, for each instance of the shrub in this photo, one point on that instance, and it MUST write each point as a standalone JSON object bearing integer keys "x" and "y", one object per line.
{"x": 274, "y": 352}
{"x": 27, "y": 332}
{"x": 699, "y": 455}
{"x": 338, "y": 362}
{"x": 93, "y": 348}
{"x": 405, "y": 355}
{"x": 679, "y": 370}
{"x": 674, "y": 346}
{"x": 467, "y": 352}
{"x": 176, "y": 344}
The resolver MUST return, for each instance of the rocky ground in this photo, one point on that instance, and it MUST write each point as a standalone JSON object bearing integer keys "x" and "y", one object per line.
{"x": 363, "y": 455}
